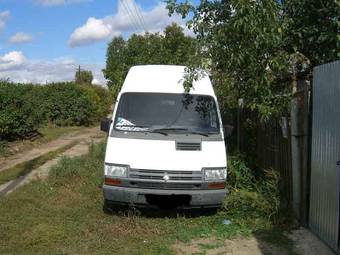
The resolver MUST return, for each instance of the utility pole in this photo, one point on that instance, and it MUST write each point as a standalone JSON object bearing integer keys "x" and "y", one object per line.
{"x": 296, "y": 173}
{"x": 79, "y": 74}
{"x": 299, "y": 136}
{"x": 239, "y": 120}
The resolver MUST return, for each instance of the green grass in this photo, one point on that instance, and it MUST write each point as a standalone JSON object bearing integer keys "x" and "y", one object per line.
{"x": 63, "y": 215}
{"x": 276, "y": 238}
{"x": 52, "y": 133}
{"x": 48, "y": 134}
{"x": 27, "y": 166}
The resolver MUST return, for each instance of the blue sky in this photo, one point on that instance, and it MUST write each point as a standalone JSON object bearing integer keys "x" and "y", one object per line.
{"x": 45, "y": 40}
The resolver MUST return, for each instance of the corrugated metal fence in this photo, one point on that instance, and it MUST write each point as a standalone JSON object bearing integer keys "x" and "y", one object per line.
{"x": 324, "y": 197}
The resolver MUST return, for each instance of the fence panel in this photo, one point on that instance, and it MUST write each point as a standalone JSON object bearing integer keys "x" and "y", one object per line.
{"x": 271, "y": 148}
{"x": 324, "y": 196}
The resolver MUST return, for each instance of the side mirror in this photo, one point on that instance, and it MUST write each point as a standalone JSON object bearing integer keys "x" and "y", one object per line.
{"x": 228, "y": 130}
{"x": 105, "y": 125}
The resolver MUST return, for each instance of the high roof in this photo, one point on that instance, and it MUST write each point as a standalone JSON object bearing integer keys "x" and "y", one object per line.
{"x": 163, "y": 79}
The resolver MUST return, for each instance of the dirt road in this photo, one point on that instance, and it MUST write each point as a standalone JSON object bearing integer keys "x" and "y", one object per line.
{"x": 82, "y": 139}
{"x": 82, "y": 135}
{"x": 304, "y": 243}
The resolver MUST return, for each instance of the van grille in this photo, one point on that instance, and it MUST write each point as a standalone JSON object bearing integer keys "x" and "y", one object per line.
{"x": 180, "y": 146}
{"x": 154, "y": 179}
{"x": 145, "y": 174}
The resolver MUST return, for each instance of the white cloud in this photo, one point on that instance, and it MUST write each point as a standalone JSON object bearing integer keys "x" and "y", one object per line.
{"x": 18, "y": 68}
{"x": 3, "y": 17}
{"x": 154, "y": 20}
{"x": 58, "y": 2}
{"x": 12, "y": 60}
{"x": 93, "y": 30}
{"x": 20, "y": 37}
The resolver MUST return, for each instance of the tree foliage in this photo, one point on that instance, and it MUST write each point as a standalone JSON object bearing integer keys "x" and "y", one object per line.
{"x": 83, "y": 77}
{"x": 312, "y": 27}
{"x": 251, "y": 45}
{"x": 172, "y": 47}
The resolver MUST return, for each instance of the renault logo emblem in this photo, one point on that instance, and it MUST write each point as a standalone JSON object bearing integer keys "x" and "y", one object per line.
{"x": 166, "y": 177}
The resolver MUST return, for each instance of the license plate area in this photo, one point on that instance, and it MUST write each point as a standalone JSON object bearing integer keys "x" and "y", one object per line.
{"x": 168, "y": 201}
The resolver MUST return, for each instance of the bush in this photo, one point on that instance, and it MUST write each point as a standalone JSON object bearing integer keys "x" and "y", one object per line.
{"x": 66, "y": 104}
{"x": 26, "y": 107}
{"x": 100, "y": 96}
{"x": 251, "y": 196}
{"x": 19, "y": 110}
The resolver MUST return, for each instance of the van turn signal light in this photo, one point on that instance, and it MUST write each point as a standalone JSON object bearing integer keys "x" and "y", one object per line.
{"x": 112, "y": 182}
{"x": 216, "y": 185}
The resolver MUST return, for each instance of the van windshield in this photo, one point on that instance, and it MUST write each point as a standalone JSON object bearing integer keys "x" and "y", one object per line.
{"x": 165, "y": 112}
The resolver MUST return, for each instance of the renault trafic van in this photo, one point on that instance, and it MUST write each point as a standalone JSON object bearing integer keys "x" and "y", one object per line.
{"x": 164, "y": 144}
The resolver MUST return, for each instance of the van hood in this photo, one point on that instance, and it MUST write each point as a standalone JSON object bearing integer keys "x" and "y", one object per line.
{"x": 162, "y": 154}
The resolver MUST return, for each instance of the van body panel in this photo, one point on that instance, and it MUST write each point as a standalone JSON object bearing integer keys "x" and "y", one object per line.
{"x": 162, "y": 154}
{"x": 164, "y": 79}
{"x": 137, "y": 197}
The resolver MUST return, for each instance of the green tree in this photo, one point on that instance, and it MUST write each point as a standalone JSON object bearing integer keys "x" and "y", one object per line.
{"x": 83, "y": 77}
{"x": 243, "y": 44}
{"x": 144, "y": 49}
{"x": 116, "y": 66}
{"x": 172, "y": 47}
{"x": 312, "y": 27}
{"x": 179, "y": 49}
{"x": 251, "y": 47}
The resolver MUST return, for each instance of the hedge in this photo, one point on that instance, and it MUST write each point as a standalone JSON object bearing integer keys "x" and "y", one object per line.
{"x": 26, "y": 107}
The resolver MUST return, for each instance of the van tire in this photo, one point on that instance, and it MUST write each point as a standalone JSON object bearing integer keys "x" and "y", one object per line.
{"x": 111, "y": 208}
{"x": 107, "y": 207}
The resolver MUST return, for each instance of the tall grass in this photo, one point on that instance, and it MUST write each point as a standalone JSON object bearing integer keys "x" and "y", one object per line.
{"x": 252, "y": 196}
{"x": 63, "y": 215}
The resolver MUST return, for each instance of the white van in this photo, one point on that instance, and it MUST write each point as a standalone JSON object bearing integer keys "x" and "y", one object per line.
{"x": 165, "y": 147}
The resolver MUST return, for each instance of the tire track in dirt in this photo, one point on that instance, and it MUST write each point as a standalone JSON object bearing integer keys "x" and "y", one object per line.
{"x": 82, "y": 139}
{"x": 58, "y": 143}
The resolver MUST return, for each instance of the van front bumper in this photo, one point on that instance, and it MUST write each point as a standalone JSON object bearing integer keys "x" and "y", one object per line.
{"x": 138, "y": 197}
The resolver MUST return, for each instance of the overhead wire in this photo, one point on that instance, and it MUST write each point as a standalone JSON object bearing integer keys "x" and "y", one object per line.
{"x": 133, "y": 16}
{"x": 140, "y": 16}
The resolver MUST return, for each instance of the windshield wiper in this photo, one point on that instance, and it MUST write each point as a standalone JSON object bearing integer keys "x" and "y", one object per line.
{"x": 182, "y": 129}
{"x": 143, "y": 129}
{"x": 198, "y": 133}
{"x": 131, "y": 126}
{"x": 169, "y": 129}
{"x": 156, "y": 131}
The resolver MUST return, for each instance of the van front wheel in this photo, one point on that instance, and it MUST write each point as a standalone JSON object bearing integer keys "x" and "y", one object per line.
{"x": 107, "y": 207}
{"x": 110, "y": 207}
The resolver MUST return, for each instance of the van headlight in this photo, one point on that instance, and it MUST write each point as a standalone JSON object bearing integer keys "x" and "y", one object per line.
{"x": 116, "y": 170}
{"x": 212, "y": 174}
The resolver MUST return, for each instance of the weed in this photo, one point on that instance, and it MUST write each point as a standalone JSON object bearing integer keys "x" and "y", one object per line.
{"x": 63, "y": 215}
{"x": 27, "y": 166}
{"x": 50, "y": 133}
{"x": 4, "y": 150}
{"x": 250, "y": 196}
